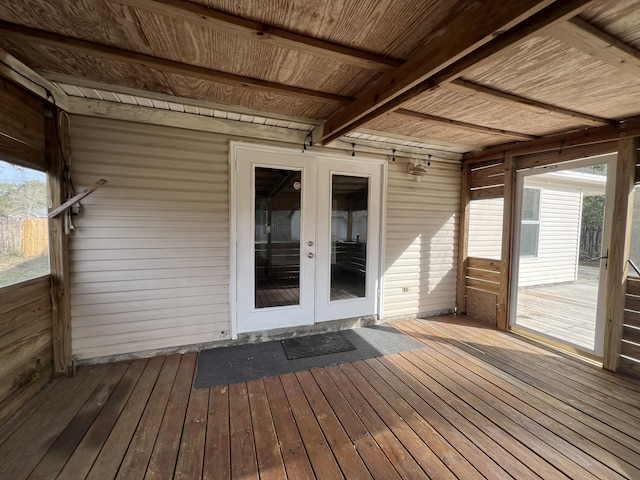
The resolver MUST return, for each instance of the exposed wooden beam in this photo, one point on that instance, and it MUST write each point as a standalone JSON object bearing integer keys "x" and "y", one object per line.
{"x": 167, "y": 66}
{"x": 560, "y": 141}
{"x": 599, "y": 44}
{"x": 510, "y": 100}
{"x": 242, "y": 27}
{"x": 471, "y": 37}
{"x": 536, "y": 160}
{"x": 504, "y": 294}
{"x": 463, "y": 240}
{"x": 57, "y": 138}
{"x": 619, "y": 247}
{"x": 464, "y": 125}
{"x": 18, "y": 72}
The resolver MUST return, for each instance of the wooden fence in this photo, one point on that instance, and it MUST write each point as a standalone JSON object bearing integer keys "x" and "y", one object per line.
{"x": 28, "y": 237}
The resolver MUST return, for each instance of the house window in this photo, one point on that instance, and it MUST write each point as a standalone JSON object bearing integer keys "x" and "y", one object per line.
{"x": 530, "y": 228}
{"x": 24, "y": 230}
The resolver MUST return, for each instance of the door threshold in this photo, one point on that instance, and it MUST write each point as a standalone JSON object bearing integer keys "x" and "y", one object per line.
{"x": 557, "y": 345}
{"x": 319, "y": 327}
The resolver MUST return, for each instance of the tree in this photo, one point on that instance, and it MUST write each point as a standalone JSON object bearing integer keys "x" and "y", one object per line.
{"x": 24, "y": 199}
{"x": 593, "y": 211}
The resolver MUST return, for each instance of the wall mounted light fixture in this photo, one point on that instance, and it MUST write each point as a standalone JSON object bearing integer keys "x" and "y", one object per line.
{"x": 417, "y": 169}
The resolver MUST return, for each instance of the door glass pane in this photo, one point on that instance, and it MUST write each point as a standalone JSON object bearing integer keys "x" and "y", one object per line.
{"x": 349, "y": 212}
{"x": 560, "y": 254}
{"x": 277, "y": 237}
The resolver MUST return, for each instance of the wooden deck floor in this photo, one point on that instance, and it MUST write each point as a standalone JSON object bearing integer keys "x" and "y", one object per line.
{"x": 473, "y": 403}
{"x": 564, "y": 312}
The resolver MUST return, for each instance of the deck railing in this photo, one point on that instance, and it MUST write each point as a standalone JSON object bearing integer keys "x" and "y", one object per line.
{"x": 630, "y": 348}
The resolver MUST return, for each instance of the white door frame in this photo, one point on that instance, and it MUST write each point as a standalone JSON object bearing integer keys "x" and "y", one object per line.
{"x": 234, "y": 146}
{"x": 610, "y": 160}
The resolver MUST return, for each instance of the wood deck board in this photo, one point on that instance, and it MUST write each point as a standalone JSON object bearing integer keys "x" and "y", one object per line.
{"x": 566, "y": 312}
{"x": 549, "y": 379}
{"x": 244, "y": 463}
{"x": 483, "y": 446}
{"x": 165, "y": 451}
{"x": 114, "y": 449}
{"x": 294, "y": 455}
{"x": 135, "y": 462}
{"x": 562, "y": 424}
{"x": 65, "y": 445}
{"x": 324, "y": 463}
{"x": 347, "y": 457}
{"x": 526, "y": 424}
{"x": 475, "y": 370}
{"x": 421, "y": 452}
{"x": 378, "y": 464}
{"x": 217, "y": 454}
{"x": 191, "y": 452}
{"x": 52, "y": 415}
{"x": 270, "y": 462}
{"x": 85, "y": 454}
{"x": 574, "y": 445}
{"x": 393, "y": 448}
{"x": 472, "y": 403}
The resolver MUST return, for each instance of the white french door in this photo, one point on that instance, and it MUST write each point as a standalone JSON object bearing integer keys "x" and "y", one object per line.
{"x": 307, "y": 238}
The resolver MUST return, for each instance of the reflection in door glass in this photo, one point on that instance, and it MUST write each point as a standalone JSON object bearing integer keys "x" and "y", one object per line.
{"x": 277, "y": 237}
{"x": 349, "y": 196}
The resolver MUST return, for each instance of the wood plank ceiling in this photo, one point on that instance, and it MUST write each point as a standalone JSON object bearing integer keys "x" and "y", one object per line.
{"x": 464, "y": 74}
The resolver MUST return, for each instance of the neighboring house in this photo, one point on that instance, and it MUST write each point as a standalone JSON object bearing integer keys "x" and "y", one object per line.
{"x": 550, "y": 230}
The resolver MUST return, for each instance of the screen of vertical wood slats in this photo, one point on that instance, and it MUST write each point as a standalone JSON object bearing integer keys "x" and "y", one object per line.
{"x": 22, "y": 130}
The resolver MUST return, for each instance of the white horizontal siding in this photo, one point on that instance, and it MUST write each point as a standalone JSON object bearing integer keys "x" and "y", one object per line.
{"x": 149, "y": 254}
{"x": 557, "y": 259}
{"x": 485, "y": 228}
{"x": 421, "y": 240}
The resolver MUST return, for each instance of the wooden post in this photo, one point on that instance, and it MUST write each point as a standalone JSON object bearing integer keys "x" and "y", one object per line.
{"x": 507, "y": 243}
{"x": 619, "y": 252}
{"x": 58, "y": 252}
{"x": 463, "y": 240}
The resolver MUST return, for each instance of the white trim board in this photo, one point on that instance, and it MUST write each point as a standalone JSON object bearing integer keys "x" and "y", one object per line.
{"x": 135, "y": 113}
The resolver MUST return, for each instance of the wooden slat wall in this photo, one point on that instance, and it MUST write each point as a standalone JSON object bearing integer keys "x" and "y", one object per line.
{"x": 483, "y": 287}
{"x": 487, "y": 180}
{"x": 150, "y": 252}
{"x": 630, "y": 359}
{"x": 22, "y": 138}
{"x": 421, "y": 240}
{"x": 481, "y": 280}
{"x": 25, "y": 343}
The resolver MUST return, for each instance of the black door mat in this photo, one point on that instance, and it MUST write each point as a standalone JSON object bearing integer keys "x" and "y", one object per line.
{"x": 243, "y": 363}
{"x": 314, "y": 345}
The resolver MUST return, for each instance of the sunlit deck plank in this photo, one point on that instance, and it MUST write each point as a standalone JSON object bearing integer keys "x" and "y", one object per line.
{"x": 472, "y": 403}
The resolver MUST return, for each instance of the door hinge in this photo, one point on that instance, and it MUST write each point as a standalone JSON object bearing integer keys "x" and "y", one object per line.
{"x": 606, "y": 259}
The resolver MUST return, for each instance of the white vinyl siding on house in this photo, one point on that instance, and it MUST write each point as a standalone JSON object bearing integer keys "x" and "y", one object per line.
{"x": 558, "y": 238}
{"x": 150, "y": 251}
{"x": 421, "y": 240}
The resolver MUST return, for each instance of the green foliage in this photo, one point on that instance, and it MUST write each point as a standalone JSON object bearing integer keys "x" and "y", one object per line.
{"x": 593, "y": 211}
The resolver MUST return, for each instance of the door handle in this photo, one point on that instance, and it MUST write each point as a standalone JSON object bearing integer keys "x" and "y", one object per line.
{"x": 310, "y": 255}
